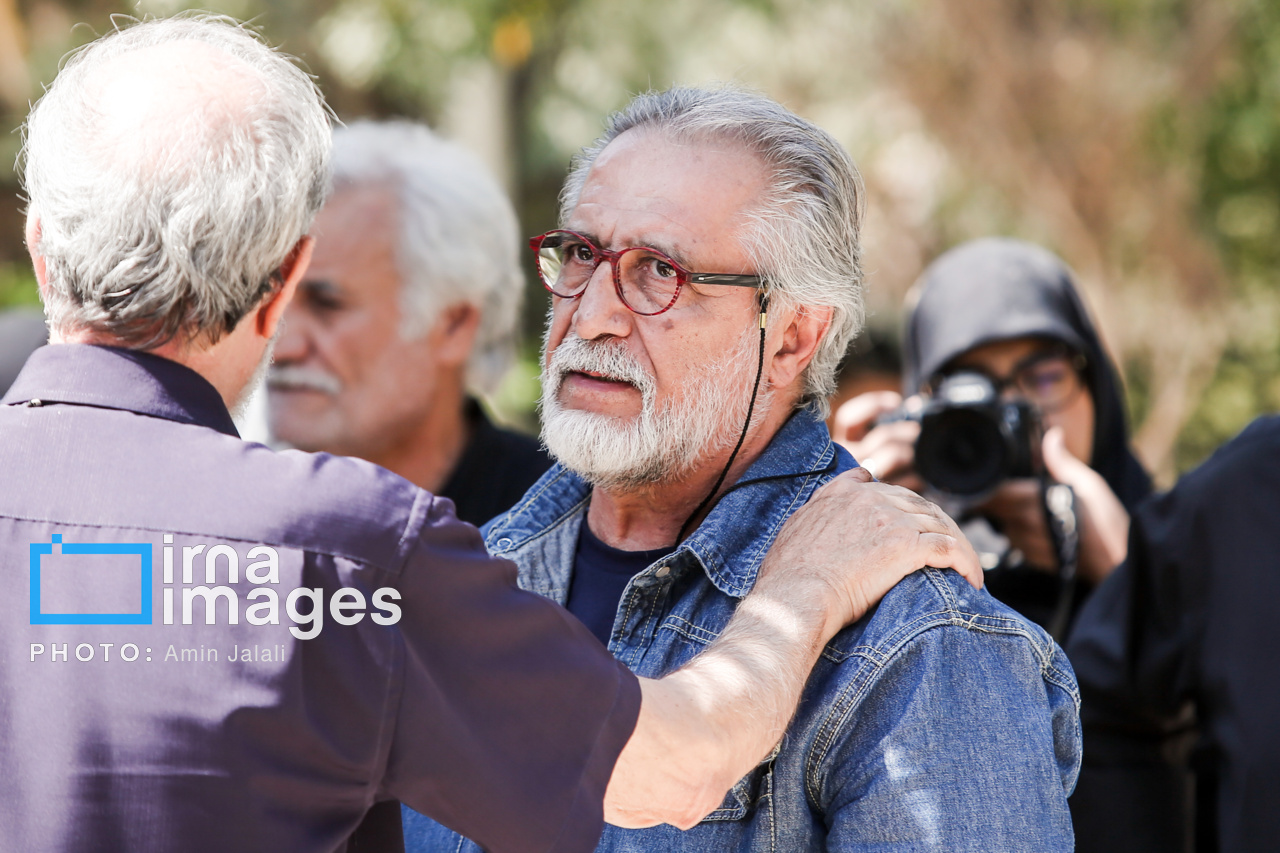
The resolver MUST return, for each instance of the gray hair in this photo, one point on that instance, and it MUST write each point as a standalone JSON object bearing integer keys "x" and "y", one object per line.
{"x": 803, "y": 239}
{"x": 458, "y": 236}
{"x": 175, "y": 225}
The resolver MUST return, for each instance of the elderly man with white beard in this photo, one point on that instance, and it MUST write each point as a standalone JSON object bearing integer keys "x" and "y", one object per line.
{"x": 706, "y": 281}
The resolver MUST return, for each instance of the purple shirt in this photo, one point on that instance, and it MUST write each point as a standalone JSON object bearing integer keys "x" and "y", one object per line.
{"x": 149, "y": 702}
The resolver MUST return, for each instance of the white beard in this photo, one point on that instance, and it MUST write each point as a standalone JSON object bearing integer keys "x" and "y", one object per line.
{"x": 241, "y": 405}
{"x": 656, "y": 446}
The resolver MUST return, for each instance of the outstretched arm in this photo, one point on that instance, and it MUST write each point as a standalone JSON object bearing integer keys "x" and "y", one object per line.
{"x": 705, "y": 726}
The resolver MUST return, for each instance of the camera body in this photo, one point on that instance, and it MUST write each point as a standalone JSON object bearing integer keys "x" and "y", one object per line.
{"x": 971, "y": 440}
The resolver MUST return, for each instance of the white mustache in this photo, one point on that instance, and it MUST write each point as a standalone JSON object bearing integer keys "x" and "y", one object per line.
{"x": 290, "y": 378}
{"x": 610, "y": 360}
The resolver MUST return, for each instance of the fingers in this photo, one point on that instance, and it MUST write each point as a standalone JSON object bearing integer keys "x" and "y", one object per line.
{"x": 909, "y": 501}
{"x": 864, "y": 537}
{"x": 1103, "y": 520}
{"x": 889, "y": 450}
{"x": 908, "y": 480}
{"x": 843, "y": 484}
{"x": 855, "y": 418}
{"x": 939, "y": 541}
{"x": 854, "y": 482}
{"x": 943, "y": 544}
{"x": 851, "y": 486}
{"x": 1061, "y": 464}
{"x": 946, "y": 551}
{"x": 859, "y": 475}
{"x": 846, "y": 499}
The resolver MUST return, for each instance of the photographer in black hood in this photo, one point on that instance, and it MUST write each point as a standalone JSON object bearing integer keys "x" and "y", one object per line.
{"x": 1009, "y": 311}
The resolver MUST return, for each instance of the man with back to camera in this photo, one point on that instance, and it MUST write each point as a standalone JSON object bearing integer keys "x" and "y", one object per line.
{"x": 357, "y": 643}
{"x": 706, "y": 280}
{"x": 406, "y": 314}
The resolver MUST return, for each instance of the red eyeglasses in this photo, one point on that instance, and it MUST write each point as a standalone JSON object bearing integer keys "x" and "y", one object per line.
{"x": 648, "y": 281}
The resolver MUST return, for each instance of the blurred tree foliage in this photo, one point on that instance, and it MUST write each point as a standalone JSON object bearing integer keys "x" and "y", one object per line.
{"x": 1140, "y": 139}
{"x": 1085, "y": 120}
{"x": 1240, "y": 208}
{"x": 17, "y": 286}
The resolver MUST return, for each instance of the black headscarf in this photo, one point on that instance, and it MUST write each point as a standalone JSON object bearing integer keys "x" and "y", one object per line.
{"x": 996, "y": 289}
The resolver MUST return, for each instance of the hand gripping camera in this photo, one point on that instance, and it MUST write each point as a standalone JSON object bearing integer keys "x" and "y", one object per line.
{"x": 971, "y": 440}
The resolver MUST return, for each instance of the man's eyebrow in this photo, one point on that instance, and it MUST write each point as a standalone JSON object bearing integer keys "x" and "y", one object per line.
{"x": 321, "y": 287}
{"x": 661, "y": 245}
{"x": 670, "y": 251}
{"x": 591, "y": 238}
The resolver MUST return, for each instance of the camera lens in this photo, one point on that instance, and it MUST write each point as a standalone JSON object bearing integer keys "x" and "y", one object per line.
{"x": 961, "y": 451}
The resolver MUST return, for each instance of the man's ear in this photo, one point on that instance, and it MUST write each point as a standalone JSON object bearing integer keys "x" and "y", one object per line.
{"x": 454, "y": 333}
{"x": 32, "y": 236}
{"x": 267, "y": 316}
{"x": 802, "y": 331}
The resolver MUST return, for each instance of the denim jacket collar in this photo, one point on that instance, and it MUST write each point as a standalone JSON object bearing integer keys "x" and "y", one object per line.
{"x": 729, "y": 552}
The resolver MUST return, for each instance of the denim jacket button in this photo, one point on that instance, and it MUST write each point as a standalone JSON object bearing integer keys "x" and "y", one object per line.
{"x": 504, "y": 542}
{"x": 663, "y": 571}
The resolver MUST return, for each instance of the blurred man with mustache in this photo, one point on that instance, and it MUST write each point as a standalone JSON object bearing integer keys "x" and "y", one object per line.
{"x": 707, "y": 279}
{"x": 408, "y": 313}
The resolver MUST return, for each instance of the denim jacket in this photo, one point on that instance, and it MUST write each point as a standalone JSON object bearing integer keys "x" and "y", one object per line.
{"x": 941, "y": 720}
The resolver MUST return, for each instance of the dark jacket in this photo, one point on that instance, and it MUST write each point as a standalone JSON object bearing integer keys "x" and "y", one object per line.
{"x": 496, "y": 468}
{"x": 1178, "y": 665}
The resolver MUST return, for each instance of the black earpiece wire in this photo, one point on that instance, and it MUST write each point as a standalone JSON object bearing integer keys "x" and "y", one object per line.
{"x": 755, "y": 389}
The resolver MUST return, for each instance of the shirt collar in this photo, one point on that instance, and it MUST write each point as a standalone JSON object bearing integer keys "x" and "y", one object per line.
{"x": 114, "y": 378}
{"x": 729, "y": 550}
{"x": 799, "y": 459}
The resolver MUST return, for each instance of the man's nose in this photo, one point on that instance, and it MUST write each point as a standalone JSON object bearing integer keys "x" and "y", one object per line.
{"x": 600, "y": 312}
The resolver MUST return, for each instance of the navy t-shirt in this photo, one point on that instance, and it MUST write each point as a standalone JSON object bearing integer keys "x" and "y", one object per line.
{"x": 600, "y": 575}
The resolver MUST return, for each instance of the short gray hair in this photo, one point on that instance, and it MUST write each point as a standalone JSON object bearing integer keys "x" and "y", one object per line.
{"x": 173, "y": 228}
{"x": 804, "y": 238}
{"x": 458, "y": 236}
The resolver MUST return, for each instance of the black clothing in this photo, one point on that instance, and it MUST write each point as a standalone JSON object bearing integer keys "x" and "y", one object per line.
{"x": 998, "y": 289}
{"x": 231, "y": 728}
{"x": 600, "y": 576}
{"x": 496, "y": 468}
{"x": 1178, "y": 642}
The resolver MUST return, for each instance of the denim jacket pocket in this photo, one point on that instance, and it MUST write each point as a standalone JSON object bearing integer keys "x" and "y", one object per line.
{"x": 749, "y": 791}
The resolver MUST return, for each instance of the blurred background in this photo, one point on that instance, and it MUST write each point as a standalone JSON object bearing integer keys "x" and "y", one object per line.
{"x": 1139, "y": 139}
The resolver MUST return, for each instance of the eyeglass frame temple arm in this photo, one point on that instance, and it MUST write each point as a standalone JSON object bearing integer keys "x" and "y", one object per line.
{"x": 726, "y": 278}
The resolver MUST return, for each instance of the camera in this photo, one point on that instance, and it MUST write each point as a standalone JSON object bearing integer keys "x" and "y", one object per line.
{"x": 971, "y": 440}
